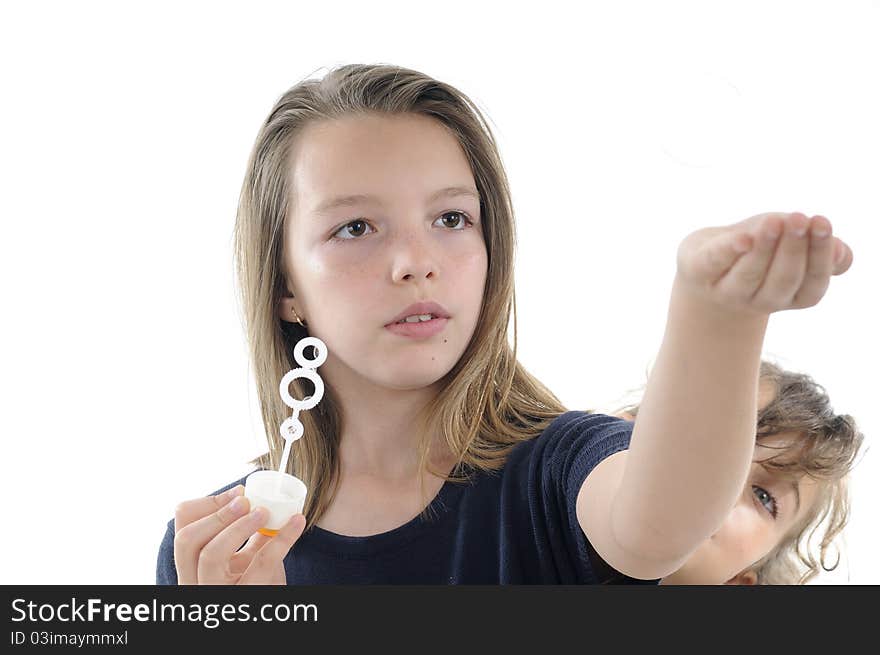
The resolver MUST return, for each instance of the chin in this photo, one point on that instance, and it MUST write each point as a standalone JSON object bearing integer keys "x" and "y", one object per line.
{"x": 412, "y": 378}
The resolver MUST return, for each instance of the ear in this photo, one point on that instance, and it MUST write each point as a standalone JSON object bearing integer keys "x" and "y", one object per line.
{"x": 744, "y": 578}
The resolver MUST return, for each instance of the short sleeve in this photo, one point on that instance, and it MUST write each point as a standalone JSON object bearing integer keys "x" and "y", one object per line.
{"x": 573, "y": 445}
{"x": 166, "y": 569}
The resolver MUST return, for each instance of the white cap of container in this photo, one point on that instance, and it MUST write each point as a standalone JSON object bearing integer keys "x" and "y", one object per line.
{"x": 262, "y": 490}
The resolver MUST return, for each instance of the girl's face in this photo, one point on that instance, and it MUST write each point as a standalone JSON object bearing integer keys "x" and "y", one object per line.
{"x": 355, "y": 265}
{"x": 769, "y": 506}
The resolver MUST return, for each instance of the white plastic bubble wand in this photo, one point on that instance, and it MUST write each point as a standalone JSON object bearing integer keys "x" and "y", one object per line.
{"x": 281, "y": 493}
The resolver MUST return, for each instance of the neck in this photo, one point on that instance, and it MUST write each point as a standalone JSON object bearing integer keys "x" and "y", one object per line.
{"x": 378, "y": 437}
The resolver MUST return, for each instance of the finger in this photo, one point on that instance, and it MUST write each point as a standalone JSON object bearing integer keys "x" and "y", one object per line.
{"x": 267, "y": 559}
{"x": 843, "y": 257}
{"x": 192, "y": 510}
{"x": 788, "y": 267}
{"x": 720, "y": 253}
{"x": 242, "y": 559}
{"x": 254, "y": 543}
{"x": 215, "y": 558}
{"x": 190, "y": 539}
{"x": 819, "y": 264}
{"x": 745, "y": 277}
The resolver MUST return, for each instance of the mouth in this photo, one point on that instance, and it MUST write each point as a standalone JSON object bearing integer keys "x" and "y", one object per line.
{"x": 425, "y": 310}
{"x": 424, "y": 326}
{"x": 417, "y": 318}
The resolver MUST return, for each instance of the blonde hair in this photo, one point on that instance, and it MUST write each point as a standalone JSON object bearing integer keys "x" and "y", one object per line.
{"x": 825, "y": 451}
{"x": 488, "y": 402}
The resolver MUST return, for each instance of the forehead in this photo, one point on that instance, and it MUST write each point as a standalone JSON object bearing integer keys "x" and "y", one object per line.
{"x": 377, "y": 155}
{"x": 780, "y": 447}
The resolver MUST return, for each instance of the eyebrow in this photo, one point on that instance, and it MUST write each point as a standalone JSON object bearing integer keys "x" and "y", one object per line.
{"x": 354, "y": 199}
{"x": 794, "y": 486}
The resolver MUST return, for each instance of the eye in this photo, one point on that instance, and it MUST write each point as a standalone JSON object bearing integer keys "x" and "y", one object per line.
{"x": 464, "y": 221}
{"x": 348, "y": 225}
{"x": 766, "y": 499}
{"x": 361, "y": 226}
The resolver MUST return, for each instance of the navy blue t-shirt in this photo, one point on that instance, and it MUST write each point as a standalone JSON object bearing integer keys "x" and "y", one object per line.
{"x": 517, "y": 525}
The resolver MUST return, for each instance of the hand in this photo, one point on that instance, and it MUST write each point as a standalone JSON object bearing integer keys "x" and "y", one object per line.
{"x": 208, "y": 532}
{"x": 767, "y": 263}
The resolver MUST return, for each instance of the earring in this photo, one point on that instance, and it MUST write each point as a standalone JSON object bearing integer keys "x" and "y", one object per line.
{"x": 291, "y": 428}
{"x": 297, "y": 318}
{"x": 281, "y": 493}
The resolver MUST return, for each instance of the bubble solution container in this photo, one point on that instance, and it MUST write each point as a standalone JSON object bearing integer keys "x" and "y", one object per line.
{"x": 282, "y": 494}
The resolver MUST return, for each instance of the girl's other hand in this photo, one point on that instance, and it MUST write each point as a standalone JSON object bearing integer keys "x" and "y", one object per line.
{"x": 209, "y": 531}
{"x": 764, "y": 264}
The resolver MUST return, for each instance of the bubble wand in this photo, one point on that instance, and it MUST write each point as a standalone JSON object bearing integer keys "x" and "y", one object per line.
{"x": 279, "y": 492}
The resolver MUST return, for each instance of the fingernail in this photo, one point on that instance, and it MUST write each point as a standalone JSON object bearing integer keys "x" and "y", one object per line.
{"x": 821, "y": 231}
{"x": 238, "y": 505}
{"x": 258, "y": 514}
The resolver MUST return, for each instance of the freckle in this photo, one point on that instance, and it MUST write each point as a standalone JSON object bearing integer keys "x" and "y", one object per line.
{"x": 444, "y": 340}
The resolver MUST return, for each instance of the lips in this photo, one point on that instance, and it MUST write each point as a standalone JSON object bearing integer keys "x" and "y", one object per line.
{"x": 419, "y": 330}
{"x": 427, "y": 307}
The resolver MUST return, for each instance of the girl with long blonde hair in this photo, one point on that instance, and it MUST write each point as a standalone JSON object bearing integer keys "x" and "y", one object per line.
{"x": 374, "y": 199}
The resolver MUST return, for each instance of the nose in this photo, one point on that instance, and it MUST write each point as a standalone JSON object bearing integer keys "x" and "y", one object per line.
{"x": 414, "y": 257}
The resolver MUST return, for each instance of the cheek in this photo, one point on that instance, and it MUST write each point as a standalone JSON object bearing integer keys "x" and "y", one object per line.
{"x": 336, "y": 276}
{"x": 735, "y": 533}
{"x": 471, "y": 263}
{"x": 352, "y": 279}
{"x": 743, "y": 538}
{"x": 469, "y": 272}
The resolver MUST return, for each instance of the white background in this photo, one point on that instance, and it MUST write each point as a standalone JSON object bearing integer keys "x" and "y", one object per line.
{"x": 623, "y": 127}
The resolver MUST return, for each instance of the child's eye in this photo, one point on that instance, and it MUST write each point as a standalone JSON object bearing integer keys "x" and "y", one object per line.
{"x": 766, "y": 499}
{"x": 464, "y": 221}
{"x": 346, "y": 226}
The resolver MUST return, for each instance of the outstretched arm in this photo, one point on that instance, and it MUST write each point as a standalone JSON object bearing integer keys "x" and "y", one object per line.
{"x": 646, "y": 509}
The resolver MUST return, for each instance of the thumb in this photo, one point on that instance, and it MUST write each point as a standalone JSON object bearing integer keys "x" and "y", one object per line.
{"x": 272, "y": 554}
{"x": 255, "y": 543}
{"x": 713, "y": 258}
